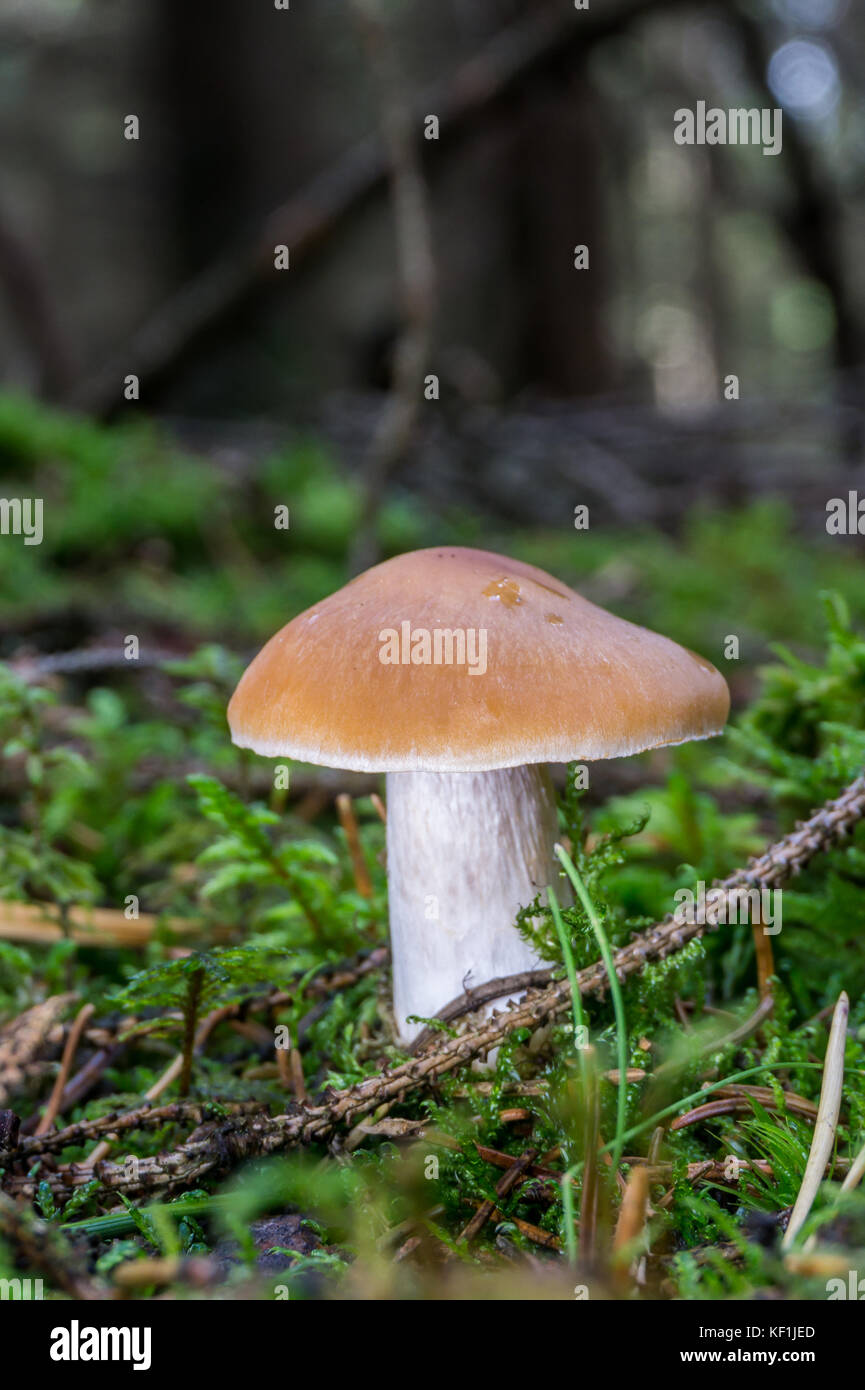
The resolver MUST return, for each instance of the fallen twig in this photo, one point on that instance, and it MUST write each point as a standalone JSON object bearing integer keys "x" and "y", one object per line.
{"x": 533, "y": 1233}
{"x": 147, "y": 1116}
{"x": 831, "y": 822}
{"x": 307, "y": 1124}
{"x": 826, "y": 1123}
{"x": 472, "y": 999}
{"x": 736, "y": 1100}
{"x": 631, "y": 1223}
{"x": 52, "y": 1109}
{"x": 348, "y": 821}
{"x": 503, "y": 1187}
{"x": 89, "y": 926}
{"x": 854, "y": 1176}
{"x": 22, "y": 1039}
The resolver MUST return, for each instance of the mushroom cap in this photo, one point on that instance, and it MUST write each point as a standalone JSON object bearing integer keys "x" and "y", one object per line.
{"x": 563, "y": 679}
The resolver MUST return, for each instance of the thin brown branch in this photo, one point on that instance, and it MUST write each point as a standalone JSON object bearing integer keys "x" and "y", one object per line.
{"x": 472, "y": 999}
{"x": 631, "y": 1223}
{"x": 825, "y": 827}
{"x": 52, "y": 1109}
{"x": 89, "y": 926}
{"x": 503, "y": 1187}
{"x": 348, "y": 821}
{"x": 765, "y": 957}
{"x": 237, "y": 1140}
{"x": 740, "y": 1104}
{"x": 22, "y": 1039}
{"x": 10, "y": 1128}
{"x": 190, "y": 1020}
{"x": 146, "y": 1116}
{"x": 533, "y": 1233}
{"x": 826, "y": 1124}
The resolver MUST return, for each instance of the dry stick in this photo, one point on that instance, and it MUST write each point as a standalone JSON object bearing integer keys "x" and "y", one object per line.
{"x": 799, "y": 1105}
{"x": 22, "y": 1039}
{"x": 826, "y": 1123}
{"x": 253, "y": 1032}
{"x": 706, "y": 1170}
{"x": 533, "y": 1233}
{"x": 765, "y": 958}
{"x": 283, "y": 1065}
{"x": 10, "y": 1128}
{"x": 498, "y": 1159}
{"x": 193, "y": 997}
{"x": 194, "y": 1271}
{"x": 738, "y": 1034}
{"x": 831, "y": 822}
{"x": 503, "y": 1187}
{"x": 89, "y": 926}
{"x": 651, "y": 1159}
{"x": 632, "y": 1219}
{"x": 379, "y": 807}
{"x": 52, "y": 1109}
{"x": 333, "y": 977}
{"x": 731, "y": 1105}
{"x": 82, "y": 1083}
{"x": 822, "y": 1264}
{"x": 415, "y": 273}
{"x": 171, "y": 1073}
{"x": 298, "y": 1083}
{"x": 472, "y": 999}
{"x": 144, "y": 1116}
{"x": 745, "y": 1029}
{"x": 854, "y": 1176}
{"x": 330, "y": 979}
{"x": 348, "y": 821}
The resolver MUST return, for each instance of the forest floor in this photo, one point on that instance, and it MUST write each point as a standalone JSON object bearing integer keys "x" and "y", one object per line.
{"x": 200, "y": 1090}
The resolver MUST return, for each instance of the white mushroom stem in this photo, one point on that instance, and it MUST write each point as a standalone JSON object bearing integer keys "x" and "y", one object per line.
{"x": 465, "y": 851}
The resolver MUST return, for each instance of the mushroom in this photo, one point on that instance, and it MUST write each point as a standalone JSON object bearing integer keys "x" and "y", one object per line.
{"x": 461, "y": 674}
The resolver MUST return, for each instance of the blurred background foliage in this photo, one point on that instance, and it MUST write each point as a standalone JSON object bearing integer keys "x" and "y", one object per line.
{"x": 558, "y": 387}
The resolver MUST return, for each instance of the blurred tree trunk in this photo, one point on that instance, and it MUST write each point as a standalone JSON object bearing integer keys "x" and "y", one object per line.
{"x": 558, "y": 163}
{"x": 237, "y": 140}
{"x": 204, "y": 84}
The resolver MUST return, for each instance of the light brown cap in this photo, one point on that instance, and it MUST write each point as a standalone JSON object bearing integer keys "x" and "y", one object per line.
{"x": 563, "y": 678}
